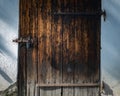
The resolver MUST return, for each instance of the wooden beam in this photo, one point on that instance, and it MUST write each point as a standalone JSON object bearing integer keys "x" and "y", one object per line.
{"x": 69, "y": 85}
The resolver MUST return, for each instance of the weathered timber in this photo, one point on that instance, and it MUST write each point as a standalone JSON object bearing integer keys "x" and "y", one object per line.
{"x": 68, "y": 85}
{"x": 64, "y": 57}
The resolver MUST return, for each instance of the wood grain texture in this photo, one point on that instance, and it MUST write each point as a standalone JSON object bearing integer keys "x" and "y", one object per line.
{"x": 66, "y": 49}
{"x": 56, "y": 49}
{"x": 22, "y": 54}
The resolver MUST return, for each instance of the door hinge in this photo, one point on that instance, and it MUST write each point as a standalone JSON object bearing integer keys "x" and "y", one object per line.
{"x": 28, "y": 41}
{"x": 82, "y": 14}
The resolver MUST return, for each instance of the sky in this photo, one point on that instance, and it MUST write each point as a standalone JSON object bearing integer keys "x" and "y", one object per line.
{"x": 110, "y": 43}
{"x": 8, "y": 26}
{"x": 110, "y": 30}
{"x": 110, "y": 36}
{"x": 8, "y": 49}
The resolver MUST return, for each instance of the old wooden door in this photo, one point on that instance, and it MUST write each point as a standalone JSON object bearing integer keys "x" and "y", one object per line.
{"x": 59, "y": 49}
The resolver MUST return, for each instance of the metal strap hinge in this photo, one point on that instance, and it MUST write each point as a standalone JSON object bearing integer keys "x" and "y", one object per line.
{"x": 86, "y": 14}
{"x": 29, "y": 41}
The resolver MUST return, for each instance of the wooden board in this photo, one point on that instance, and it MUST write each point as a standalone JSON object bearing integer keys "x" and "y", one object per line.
{"x": 68, "y": 47}
{"x": 48, "y": 49}
{"x": 22, "y": 54}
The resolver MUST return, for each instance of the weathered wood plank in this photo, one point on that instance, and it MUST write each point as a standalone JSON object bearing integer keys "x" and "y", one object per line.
{"x": 19, "y": 78}
{"x": 88, "y": 51}
{"x": 56, "y": 59}
{"x": 22, "y": 52}
{"x": 68, "y": 48}
{"x": 79, "y": 52}
{"x": 45, "y": 92}
{"x": 29, "y": 51}
{"x": 91, "y": 52}
{"x": 50, "y": 91}
{"x": 56, "y": 63}
{"x": 79, "y": 65}
{"x": 22, "y": 75}
{"x": 88, "y": 91}
{"x": 41, "y": 45}
{"x": 98, "y": 49}
{"x": 92, "y": 63}
{"x": 44, "y": 49}
{"x": 48, "y": 33}
{"x": 48, "y": 42}
{"x": 32, "y": 50}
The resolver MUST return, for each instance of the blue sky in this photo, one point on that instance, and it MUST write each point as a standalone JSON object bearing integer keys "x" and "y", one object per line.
{"x": 110, "y": 57}
{"x": 8, "y": 26}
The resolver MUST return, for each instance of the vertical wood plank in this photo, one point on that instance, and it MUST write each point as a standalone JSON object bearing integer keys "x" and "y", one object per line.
{"x": 42, "y": 22}
{"x": 19, "y": 64}
{"x": 68, "y": 47}
{"x": 79, "y": 50}
{"x": 45, "y": 92}
{"x": 47, "y": 74}
{"x": 22, "y": 52}
{"x": 48, "y": 42}
{"x": 79, "y": 64}
{"x": 56, "y": 45}
{"x": 44, "y": 46}
{"x": 87, "y": 45}
{"x": 27, "y": 28}
{"x": 40, "y": 43}
{"x": 34, "y": 36}
{"x": 32, "y": 50}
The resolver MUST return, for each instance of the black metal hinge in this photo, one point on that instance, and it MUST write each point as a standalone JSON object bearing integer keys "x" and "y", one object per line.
{"x": 29, "y": 41}
{"x": 86, "y": 14}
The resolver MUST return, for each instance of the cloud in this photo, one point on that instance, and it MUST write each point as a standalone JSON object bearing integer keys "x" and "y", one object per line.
{"x": 9, "y": 26}
{"x": 5, "y": 76}
{"x": 110, "y": 38}
{"x": 7, "y": 34}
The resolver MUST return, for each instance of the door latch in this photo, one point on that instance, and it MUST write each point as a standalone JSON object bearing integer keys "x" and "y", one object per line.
{"x": 29, "y": 41}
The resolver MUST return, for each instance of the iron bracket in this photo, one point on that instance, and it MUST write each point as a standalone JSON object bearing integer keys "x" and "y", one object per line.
{"x": 86, "y": 14}
{"x": 23, "y": 40}
{"x": 28, "y": 41}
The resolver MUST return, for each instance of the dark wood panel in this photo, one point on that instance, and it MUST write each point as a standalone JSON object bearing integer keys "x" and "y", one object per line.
{"x": 66, "y": 47}
{"x": 79, "y": 48}
{"x": 32, "y": 51}
{"x": 22, "y": 53}
{"x": 42, "y": 42}
{"x": 56, "y": 63}
{"x": 56, "y": 47}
